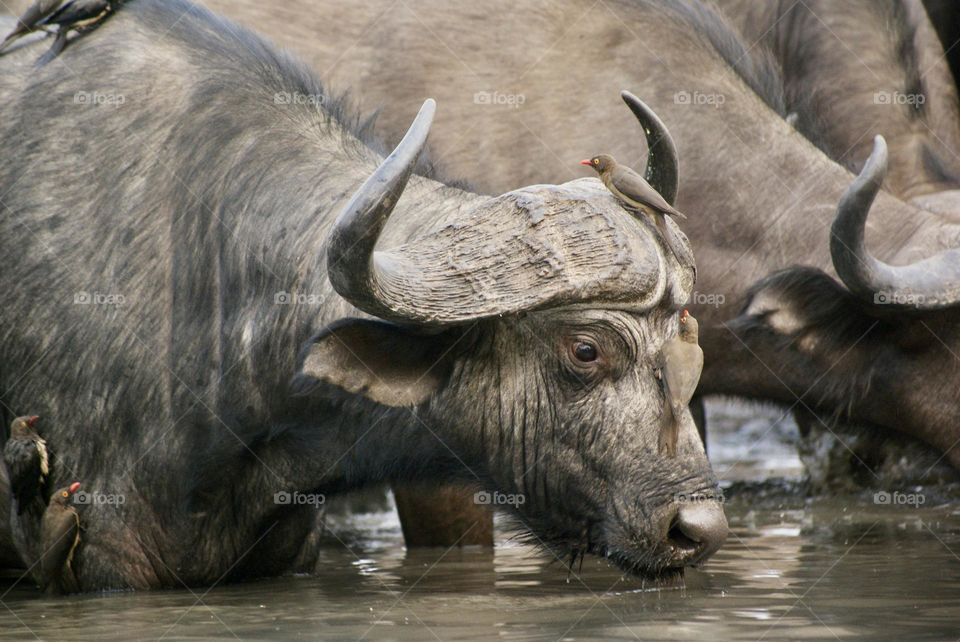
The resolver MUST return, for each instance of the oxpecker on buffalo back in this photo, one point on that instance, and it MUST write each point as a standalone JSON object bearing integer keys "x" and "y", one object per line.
{"x": 28, "y": 463}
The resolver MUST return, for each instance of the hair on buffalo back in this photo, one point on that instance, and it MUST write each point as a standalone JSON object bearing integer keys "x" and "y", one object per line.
{"x": 755, "y": 64}
{"x": 795, "y": 39}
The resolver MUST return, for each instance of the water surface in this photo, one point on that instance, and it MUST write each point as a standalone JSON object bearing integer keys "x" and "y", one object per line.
{"x": 794, "y": 568}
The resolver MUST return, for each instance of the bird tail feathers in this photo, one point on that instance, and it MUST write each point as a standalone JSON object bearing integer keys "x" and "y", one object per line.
{"x": 669, "y": 430}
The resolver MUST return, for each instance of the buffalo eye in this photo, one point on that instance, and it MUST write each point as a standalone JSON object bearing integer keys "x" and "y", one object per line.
{"x": 585, "y": 352}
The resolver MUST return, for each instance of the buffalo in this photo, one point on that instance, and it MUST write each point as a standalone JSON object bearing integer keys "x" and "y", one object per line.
{"x": 853, "y": 335}
{"x": 897, "y": 84}
{"x": 221, "y": 326}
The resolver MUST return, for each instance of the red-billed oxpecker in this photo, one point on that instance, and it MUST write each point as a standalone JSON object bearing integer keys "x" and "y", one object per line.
{"x": 78, "y": 15}
{"x": 59, "y": 537}
{"x": 682, "y": 364}
{"x": 28, "y": 463}
{"x": 633, "y": 191}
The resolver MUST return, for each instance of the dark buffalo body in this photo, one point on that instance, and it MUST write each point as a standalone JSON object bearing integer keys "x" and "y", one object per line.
{"x": 170, "y": 200}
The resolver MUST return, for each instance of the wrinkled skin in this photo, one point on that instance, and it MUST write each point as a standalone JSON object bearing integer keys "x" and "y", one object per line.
{"x": 544, "y": 388}
{"x": 198, "y": 397}
{"x": 760, "y": 197}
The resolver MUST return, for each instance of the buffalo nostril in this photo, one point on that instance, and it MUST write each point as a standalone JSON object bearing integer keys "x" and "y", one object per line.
{"x": 698, "y": 531}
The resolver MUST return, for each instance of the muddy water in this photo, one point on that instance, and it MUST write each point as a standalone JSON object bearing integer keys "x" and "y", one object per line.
{"x": 794, "y": 568}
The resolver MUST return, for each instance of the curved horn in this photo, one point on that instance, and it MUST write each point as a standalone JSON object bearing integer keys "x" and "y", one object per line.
{"x": 352, "y": 265}
{"x": 537, "y": 247}
{"x": 929, "y": 284}
{"x": 663, "y": 168}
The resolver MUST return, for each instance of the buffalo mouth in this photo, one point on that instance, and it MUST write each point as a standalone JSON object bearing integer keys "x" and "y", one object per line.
{"x": 648, "y": 543}
{"x": 664, "y": 562}
{"x": 661, "y": 565}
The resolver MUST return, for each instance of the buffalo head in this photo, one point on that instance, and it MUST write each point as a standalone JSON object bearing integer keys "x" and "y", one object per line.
{"x": 882, "y": 351}
{"x": 524, "y": 334}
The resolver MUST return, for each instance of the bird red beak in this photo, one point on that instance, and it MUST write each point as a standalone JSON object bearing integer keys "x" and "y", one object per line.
{"x": 74, "y": 487}
{"x": 32, "y": 421}
{"x": 586, "y": 161}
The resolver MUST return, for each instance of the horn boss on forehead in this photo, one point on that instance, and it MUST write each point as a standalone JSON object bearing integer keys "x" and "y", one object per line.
{"x": 537, "y": 247}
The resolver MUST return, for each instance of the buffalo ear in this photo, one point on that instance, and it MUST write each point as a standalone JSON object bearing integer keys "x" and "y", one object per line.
{"x": 383, "y": 362}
